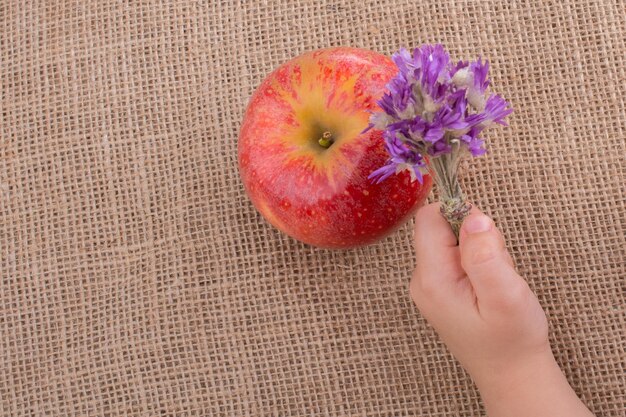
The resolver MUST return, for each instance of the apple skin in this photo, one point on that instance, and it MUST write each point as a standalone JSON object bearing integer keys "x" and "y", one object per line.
{"x": 319, "y": 195}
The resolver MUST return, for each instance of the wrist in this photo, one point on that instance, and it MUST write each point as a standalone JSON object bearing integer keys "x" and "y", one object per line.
{"x": 533, "y": 372}
{"x": 538, "y": 388}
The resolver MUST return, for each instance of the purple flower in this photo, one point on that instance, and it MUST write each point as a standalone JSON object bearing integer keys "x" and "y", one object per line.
{"x": 383, "y": 172}
{"x": 434, "y": 61}
{"x": 434, "y": 107}
{"x": 472, "y": 77}
{"x": 496, "y": 109}
{"x": 451, "y": 116}
{"x": 403, "y": 60}
{"x": 434, "y": 134}
{"x": 439, "y": 148}
{"x": 459, "y": 65}
{"x": 402, "y": 127}
{"x": 402, "y": 158}
{"x": 473, "y": 143}
{"x": 399, "y": 98}
{"x": 479, "y": 71}
{"x": 418, "y": 128}
{"x": 386, "y": 103}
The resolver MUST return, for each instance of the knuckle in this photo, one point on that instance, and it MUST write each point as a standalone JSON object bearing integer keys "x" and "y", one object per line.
{"x": 482, "y": 255}
{"x": 429, "y": 286}
{"x": 485, "y": 252}
{"x": 514, "y": 297}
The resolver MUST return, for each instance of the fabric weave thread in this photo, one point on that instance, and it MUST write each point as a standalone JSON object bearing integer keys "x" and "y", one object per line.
{"x": 136, "y": 279}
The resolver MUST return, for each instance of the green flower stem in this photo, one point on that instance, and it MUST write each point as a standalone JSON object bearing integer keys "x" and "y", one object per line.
{"x": 454, "y": 206}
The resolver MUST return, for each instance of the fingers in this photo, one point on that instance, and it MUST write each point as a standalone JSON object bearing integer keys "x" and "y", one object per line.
{"x": 433, "y": 237}
{"x": 438, "y": 262}
{"x": 487, "y": 263}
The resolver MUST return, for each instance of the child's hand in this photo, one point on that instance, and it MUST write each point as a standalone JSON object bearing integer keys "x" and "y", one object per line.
{"x": 483, "y": 310}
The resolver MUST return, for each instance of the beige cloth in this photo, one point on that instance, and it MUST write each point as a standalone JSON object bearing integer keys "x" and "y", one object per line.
{"x": 138, "y": 280}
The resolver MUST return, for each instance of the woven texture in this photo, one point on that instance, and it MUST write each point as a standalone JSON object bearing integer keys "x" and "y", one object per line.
{"x": 138, "y": 280}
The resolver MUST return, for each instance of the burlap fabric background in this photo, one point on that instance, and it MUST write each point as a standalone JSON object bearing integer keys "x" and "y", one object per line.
{"x": 137, "y": 279}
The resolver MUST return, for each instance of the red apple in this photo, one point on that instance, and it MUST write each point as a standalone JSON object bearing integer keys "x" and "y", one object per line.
{"x": 304, "y": 159}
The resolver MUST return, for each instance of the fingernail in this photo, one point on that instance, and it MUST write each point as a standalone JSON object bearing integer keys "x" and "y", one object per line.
{"x": 477, "y": 224}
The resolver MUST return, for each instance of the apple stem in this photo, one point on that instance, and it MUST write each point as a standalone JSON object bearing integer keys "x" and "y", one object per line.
{"x": 326, "y": 140}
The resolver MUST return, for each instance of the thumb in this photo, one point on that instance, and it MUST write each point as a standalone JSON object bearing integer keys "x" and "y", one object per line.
{"x": 487, "y": 263}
